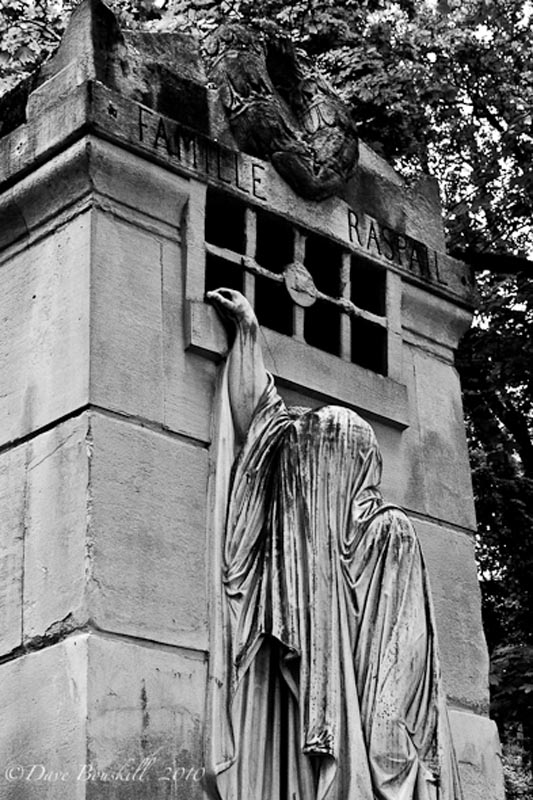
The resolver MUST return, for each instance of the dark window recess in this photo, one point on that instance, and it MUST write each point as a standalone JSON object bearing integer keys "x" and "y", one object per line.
{"x": 368, "y": 286}
{"x": 275, "y": 242}
{"x": 224, "y": 221}
{"x": 323, "y": 259}
{"x": 273, "y": 305}
{"x": 322, "y": 327}
{"x": 369, "y": 345}
{"x": 222, "y": 274}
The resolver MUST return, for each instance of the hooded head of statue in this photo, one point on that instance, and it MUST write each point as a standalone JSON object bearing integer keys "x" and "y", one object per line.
{"x": 330, "y": 460}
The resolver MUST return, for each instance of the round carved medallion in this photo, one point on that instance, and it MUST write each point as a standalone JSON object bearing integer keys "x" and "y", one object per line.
{"x": 300, "y": 284}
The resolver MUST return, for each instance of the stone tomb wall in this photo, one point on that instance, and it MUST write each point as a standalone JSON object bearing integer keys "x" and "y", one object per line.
{"x": 109, "y": 361}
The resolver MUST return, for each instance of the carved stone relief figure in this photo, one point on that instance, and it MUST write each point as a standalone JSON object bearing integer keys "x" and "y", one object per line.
{"x": 281, "y": 109}
{"x": 324, "y": 670}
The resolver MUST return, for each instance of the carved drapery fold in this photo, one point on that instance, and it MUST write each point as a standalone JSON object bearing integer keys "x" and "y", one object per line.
{"x": 324, "y": 672}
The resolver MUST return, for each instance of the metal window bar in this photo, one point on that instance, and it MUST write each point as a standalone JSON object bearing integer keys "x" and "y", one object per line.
{"x": 343, "y": 303}
{"x": 347, "y": 308}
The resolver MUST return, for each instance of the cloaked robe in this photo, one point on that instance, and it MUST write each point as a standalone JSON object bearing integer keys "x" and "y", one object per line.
{"x": 324, "y": 679}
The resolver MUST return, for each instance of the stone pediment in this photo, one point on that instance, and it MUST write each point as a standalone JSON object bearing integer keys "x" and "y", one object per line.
{"x": 277, "y": 106}
{"x": 222, "y": 115}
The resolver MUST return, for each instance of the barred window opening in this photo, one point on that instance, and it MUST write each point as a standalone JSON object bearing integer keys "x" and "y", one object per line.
{"x": 301, "y": 284}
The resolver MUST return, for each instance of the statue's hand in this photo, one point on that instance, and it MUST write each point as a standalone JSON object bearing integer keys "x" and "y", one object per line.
{"x": 247, "y": 377}
{"x": 232, "y": 304}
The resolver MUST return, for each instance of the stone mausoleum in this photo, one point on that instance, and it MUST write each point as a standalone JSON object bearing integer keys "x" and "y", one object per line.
{"x": 124, "y": 198}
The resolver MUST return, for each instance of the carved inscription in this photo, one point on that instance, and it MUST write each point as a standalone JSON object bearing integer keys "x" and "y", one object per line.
{"x": 218, "y": 164}
{"x": 398, "y": 248}
{"x": 203, "y": 156}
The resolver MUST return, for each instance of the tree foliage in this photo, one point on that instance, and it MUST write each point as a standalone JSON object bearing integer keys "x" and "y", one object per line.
{"x": 445, "y": 86}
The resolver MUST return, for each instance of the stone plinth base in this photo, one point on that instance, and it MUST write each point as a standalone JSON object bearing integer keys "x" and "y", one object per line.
{"x": 97, "y": 716}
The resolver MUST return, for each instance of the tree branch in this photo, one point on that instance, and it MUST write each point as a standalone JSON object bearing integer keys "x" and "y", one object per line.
{"x": 516, "y": 425}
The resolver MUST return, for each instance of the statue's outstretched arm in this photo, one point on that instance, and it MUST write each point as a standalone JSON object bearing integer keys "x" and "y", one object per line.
{"x": 247, "y": 375}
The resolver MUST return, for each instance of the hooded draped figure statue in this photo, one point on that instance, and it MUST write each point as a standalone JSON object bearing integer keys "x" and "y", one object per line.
{"x": 324, "y": 679}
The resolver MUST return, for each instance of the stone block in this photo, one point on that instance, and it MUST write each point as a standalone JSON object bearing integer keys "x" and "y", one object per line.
{"x": 126, "y": 322}
{"x": 442, "y": 449}
{"x": 12, "y": 523}
{"x": 403, "y": 478}
{"x": 164, "y": 72}
{"x": 145, "y": 711}
{"x": 99, "y": 718}
{"x": 44, "y": 137}
{"x": 55, "y": 518}
{"x": 145, "y": 189}
{"x": 449, "y": 557}
{"x": 44, "y": 348}
{"x": 479, "y": 754}
{"x": 148, "y": 546}
{"x": 43, "y": 732}
{"x": 189, "y": 379}
{"x": 148, "y": 194}
{"x": 431, "y": 322}
{"x": 45, "y": 195}
{"x": 12, "y": 223}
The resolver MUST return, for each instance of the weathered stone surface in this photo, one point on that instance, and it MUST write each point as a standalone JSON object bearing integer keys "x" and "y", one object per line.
{"x": 189, "y": 388}
{"x": 146, "y": 706}
{"x": 161, "y": 138}
{"x": 391, "y": 442}
{"x": 44, "y": 195}
{"x": 44, "y": 711}
{"x": 44, "y": 350}
{"x": 442, "y": 445}
{"x": 449, "y": 555}
{"x": 414, "y": 209}
{"x": 163, "y": 72}
{"x": 96, "y": 718}
{"x": 405, "y": 478}
{"x": 280, "y": 108}
{"x": 126, "y": 365}
{"x": 33, "y": 143}
{"x": 422, "y": 207}
{"x": 189, "y": 380}
{"x": 56, "y": 491}
{"x": 147, "y": 535}
{"x": 401, "y": 484}
{"x": 136, "y": 268}
{"x": 146, "y": 196}
{"x": 91, "y": 171}
{"x": 46, "y": 295}
{"x": 12, "y": 223}
{"x": 93, "y": 37}
{"x": 426, "y": 466}
{"x": 432, "y": 323}
{"x": 479, "y": 754}
{"x": 450, "y": 560}
{"x": 12, "y": 524}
